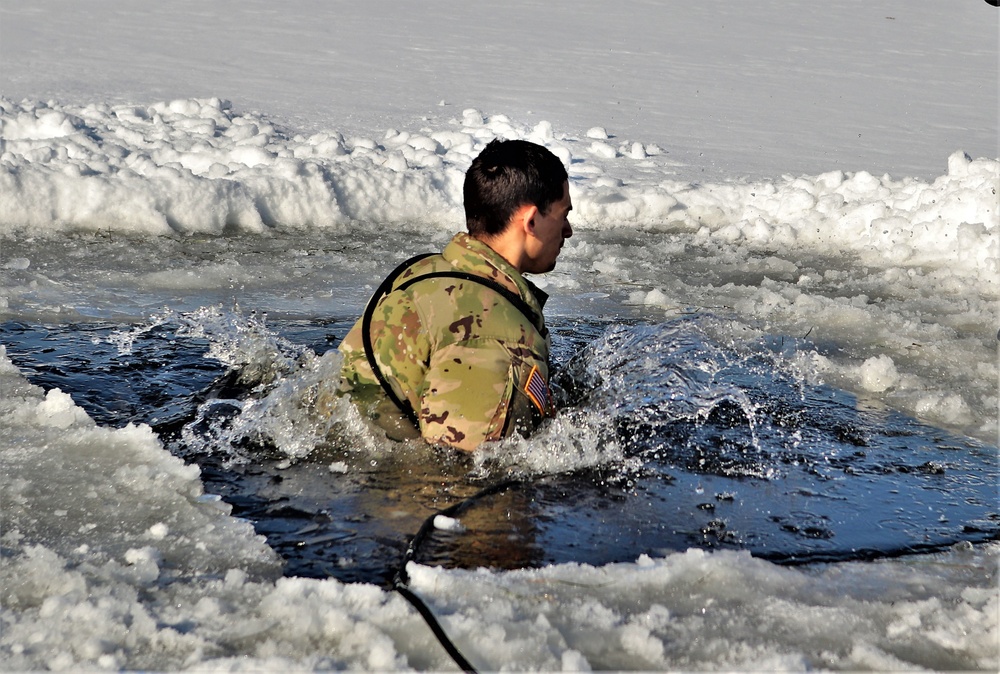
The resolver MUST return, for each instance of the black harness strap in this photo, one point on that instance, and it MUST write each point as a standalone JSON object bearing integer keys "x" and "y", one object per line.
{"x": 386, "y": 287}
{"x": 400, "y": 582}
{"x": 503, "y": 291}
{"x": 366, "y": 336}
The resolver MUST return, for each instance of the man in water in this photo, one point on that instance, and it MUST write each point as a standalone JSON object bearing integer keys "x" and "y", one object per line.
{"x": 453, "y": 347}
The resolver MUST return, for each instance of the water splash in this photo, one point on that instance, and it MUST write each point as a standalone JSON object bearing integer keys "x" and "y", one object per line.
{"x": 576, "y": 440}
{"x": 276, "y": 398}
{"x": 687, "y": 434}
{"x": 659, "y": 373}
{"x": 235, "y": 339}
{"x": 296, "y": 415}
{"x": 670, "y": 393}
{"x": 125, "y": 340}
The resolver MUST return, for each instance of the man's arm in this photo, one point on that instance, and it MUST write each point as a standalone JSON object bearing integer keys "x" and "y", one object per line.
{"x": 467, "y": 392}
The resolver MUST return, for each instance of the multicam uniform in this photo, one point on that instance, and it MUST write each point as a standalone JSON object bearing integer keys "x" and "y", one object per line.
{"x": 472, "y": 366}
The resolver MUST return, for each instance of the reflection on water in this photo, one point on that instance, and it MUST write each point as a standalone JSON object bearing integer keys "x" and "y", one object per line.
{"x": 668, "y": 439}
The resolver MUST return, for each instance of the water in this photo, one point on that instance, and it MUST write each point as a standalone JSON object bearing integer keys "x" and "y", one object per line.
{"x": 671, "y": 437}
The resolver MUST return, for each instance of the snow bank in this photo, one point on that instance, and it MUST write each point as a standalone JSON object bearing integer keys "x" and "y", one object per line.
{"x": 115, "y": 558}
{"x": 721, "y": 610}
{"x": 193, "y": 167}
{"x": 198, "y": 166}
{"x": 68, "y": 482}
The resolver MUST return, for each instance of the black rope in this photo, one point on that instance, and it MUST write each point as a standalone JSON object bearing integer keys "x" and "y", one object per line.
{"x": 400, "y": 582}
{"x": 436, "y": 628}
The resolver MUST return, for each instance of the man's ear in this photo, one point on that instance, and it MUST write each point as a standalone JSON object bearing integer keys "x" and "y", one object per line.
{"x": 525, "y": 218}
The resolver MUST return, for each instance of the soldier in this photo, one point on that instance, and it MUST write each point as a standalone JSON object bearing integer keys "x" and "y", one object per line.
{"x": 453, "y": 347}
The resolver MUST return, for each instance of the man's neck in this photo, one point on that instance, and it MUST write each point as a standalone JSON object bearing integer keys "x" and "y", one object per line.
{"x": 509, "y": 245}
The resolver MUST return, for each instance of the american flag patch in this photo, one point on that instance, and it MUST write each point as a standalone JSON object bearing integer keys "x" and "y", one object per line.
{"x": 538, "y": 390}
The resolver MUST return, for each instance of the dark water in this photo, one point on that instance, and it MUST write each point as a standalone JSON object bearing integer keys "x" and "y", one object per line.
{"x": 720, "y": 447}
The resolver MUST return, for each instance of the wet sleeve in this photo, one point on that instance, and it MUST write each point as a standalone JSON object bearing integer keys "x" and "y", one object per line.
{"x": 401, "y": 346}
{"x": 467, "y": 393}
{"x": 355, "y": 370}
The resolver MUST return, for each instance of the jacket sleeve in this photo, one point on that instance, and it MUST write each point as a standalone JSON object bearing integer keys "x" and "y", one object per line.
{"x": 401, "y": 345}
{"x": 466, "y": 395}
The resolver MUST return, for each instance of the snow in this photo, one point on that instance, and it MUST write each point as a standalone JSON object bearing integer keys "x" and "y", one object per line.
{"x": 830, "y": 173}
{"x": 725, "y": 89}
{"x": 196, "y": 167}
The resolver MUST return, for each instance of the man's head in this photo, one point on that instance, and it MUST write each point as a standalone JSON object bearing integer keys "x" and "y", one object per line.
{"x": 517, "y": 199}
{"x": 508, "y": 174}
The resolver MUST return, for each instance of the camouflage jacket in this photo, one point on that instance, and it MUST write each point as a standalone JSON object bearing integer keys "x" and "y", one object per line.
{"x": 472, "y": 366}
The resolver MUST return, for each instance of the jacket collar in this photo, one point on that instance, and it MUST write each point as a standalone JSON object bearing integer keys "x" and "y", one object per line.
{"x": 468, "y": 254}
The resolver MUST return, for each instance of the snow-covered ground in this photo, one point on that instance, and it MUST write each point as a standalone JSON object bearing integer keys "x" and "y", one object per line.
{"x": 726, "y": 89}
{"x": 829, "y": 172}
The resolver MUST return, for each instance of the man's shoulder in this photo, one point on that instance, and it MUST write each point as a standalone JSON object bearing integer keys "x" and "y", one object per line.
{"x": 467, "y": 279}
{"x": 471, "y": 255}
{"x": 462, "y": 257}
{"x": 421, "y": 265}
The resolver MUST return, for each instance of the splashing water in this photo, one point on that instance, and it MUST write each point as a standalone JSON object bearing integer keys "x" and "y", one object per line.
{"x": 667, "y": 392}
{"x": 267, "y": 400}
{"x": 631, "y": 395}
{"x": 236, "y": 340}
{"x": 691, "y": 433}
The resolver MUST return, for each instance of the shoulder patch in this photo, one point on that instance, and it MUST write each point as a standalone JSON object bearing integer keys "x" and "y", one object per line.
{"x": 538, "y": 390}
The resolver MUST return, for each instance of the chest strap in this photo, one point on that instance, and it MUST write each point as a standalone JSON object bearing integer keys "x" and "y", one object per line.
{"x": 386, "y": 287}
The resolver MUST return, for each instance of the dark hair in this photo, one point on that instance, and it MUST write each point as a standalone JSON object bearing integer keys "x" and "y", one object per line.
{"x": 506, "y": 175}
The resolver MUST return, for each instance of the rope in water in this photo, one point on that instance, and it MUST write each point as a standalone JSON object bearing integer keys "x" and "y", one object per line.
{"x": 401, "y": 580}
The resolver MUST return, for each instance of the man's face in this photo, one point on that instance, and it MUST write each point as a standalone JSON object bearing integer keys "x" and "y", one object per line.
{"x": 550, "y": 229}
